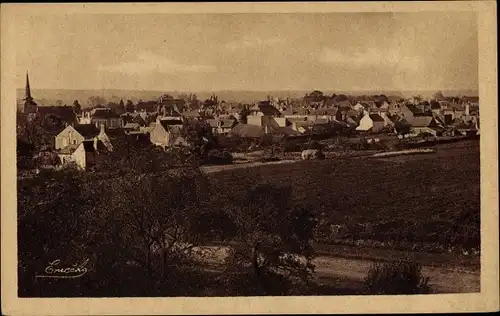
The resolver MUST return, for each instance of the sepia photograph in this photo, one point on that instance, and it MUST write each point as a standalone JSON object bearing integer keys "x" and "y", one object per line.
{"x": 246, "y": 153}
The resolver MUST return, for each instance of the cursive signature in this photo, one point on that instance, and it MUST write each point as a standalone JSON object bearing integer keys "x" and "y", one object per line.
{"x": 53, "y": 270}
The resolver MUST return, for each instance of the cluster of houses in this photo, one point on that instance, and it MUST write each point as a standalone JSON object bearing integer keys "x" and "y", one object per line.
{"x": 160, "y": 121}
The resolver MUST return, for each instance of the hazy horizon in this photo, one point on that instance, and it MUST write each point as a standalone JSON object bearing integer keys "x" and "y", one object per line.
{"x": 250, "y": 52}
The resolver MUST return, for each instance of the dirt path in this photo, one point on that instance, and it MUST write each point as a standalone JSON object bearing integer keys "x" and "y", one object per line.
{"x": 350, "y": 272}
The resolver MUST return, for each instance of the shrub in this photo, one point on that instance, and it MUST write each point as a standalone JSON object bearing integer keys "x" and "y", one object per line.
{"x": 313, "y": 145}
{"x": 397, "y": 277}
{"x": 219, "y": 157}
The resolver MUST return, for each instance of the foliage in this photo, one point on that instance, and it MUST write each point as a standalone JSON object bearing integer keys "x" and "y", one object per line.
{"x": 38, "y": 131}
{"x": 77, "y": 107}
{"x": 312, "y": 144}
{"x": 96, "y": 100}
{"x": 243, "y": 114}
{"x": 397, "y": 277}
{"x": 200, "y": 138}
{"x": 219, "y": 157}
{"x": 140, "y": 241}
{"x": 134, "y": 155}
{"x": 402, "y": 127}
{"x": 274, "y": 239}
{"x": 129, "y": 107}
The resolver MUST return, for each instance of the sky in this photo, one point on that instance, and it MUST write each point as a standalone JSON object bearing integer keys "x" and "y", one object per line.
{"x": 252, "y": 52}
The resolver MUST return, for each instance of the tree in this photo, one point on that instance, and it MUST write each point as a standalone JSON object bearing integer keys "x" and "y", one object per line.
{"x": 402, "y": 127}
{"x": 340, "y": 97}
{"x": 95, "y": 101}
{"x": 274, "y": 243}
{"x": 51, "y": 208}
{"x": 121, "y": 107}
{"x": 199, "y": 136}
{"x": 129, "y": 107}
{"x": 59, "y": 103}
{"x": 438, "y": 95}
{"x": 243, "y": 114}
{"x": 316, "y": 96}
{"x": 397, "y": 277}
{"x": 77, "y": 107}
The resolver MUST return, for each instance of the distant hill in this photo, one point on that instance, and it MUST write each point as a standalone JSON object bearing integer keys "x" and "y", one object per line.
{"x": 50, "y": 96}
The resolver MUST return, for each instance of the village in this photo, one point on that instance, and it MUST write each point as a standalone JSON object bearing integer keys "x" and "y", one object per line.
{"x": 82, "y": 134}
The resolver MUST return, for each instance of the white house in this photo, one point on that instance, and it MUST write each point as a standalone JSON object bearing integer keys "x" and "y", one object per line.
{"x": 371, "y": 122}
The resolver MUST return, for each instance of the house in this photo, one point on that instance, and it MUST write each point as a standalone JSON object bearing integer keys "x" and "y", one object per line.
{"x": 131, "y": 127}
{"x": 467, "y": 129}
{"x": 74, "y": 135}
{"x": 371, "y": 122}
{"x": 344, "y": 104}
{"x": 192, "y": 115}
{"x": 426, "y": 124}
{"x": 167, "y": 132}
{"x": 84, "y": 155}
{"x": 221, "y": 126}
{"x": 102, "y": 116}
{"x": 264, "y": 108}
{"x": 410, "y": 111}
{"x": 382, "y": 106}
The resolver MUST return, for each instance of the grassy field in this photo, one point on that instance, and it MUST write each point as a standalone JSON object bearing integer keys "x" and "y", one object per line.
{"x": 423, "y": 202}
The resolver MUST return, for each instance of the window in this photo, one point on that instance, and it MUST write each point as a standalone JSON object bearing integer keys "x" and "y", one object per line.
{"x": 74, "y": 142}
{"x": 65, "y": 141}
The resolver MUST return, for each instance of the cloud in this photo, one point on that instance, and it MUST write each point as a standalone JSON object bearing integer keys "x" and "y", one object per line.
{"x": 373, "y": 57}
{"x": 148, "y": 62}
{"x": 255, "y": 42}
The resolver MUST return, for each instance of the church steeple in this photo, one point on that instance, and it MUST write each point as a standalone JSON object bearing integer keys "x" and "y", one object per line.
{"x": 29, "y": 104}
{"x": 27, "y": 96}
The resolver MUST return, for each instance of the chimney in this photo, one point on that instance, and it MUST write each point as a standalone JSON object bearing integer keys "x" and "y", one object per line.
{"x": 467, "y": 109}
{"x": 266, "y": 129}
{"x": 95, "y": 142}
{"x": 102, "y": 129}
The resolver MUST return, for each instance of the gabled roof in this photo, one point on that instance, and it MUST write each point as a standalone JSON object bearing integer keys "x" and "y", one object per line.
{"x": 369, "y": 104}
{"x": 86, "y": 130}
{"x": 377, "y": 118}
{"x": 68, "y": 150}
{"x": 287, "y": 130}
{"x": 470, "y": 98}
{"x": 131, "y": 126}
{"x": 321, "y": 121}
{"x": 148, "y": 106}
{"x": 191, "y": 114}
{"x": 226, "y": 123}
{"x": 414, "y": 109}
{"x": 103, "y": 113}
{"x": 247, "y": 131}
{"x": 343, "y": 104}
{"x": 464, "y": 126}
{"x": 266, "y": 108}
{"x": 393, "y": 118}
{"x": 421, "y": 121}
{"x": 324, "y": 111}
{"x": 170, "y": 122}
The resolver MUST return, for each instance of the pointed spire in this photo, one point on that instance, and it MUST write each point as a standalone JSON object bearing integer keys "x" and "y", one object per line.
{"x": 28, "y": 90}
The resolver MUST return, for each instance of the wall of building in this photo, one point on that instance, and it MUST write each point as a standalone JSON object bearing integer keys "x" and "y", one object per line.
{"x": 79, "y": 156}
{"x": 158, "y": 135}
{"x": 68, "y": 136}
{"x": 255, "y": 120}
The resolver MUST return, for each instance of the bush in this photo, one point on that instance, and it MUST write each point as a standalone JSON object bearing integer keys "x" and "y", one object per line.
{"x": 397, "y": 277}
{"x": 313, "y": 145}
{"x": 219, "y": 157}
